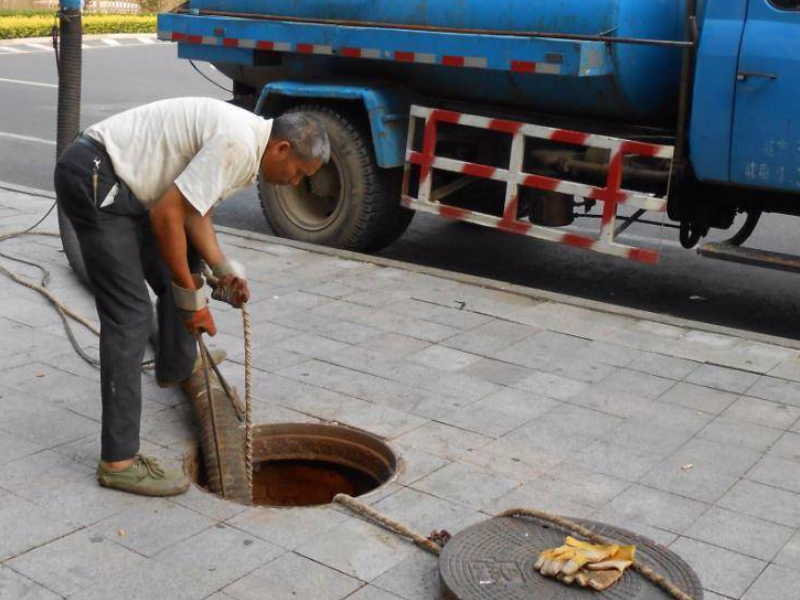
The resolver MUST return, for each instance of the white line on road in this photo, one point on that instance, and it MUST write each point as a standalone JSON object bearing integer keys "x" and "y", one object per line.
{"x": 39, "y": 46}
{"x": 11, "y": 50}
{"x": 147, "y": 40}
{"x": 26, "y": 138}
{"x": 23, "y": 82}
{"x": 110, "y": 42}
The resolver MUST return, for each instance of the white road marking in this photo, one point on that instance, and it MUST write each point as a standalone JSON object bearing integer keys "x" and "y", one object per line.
{"x": 23, "y": 82}
{"x": 26, "y": 138}
{"x": 11, "y": 50}
{"x": 110, "y": 42}
{"x": 146, "y": 40}
{"x": 39, "y": 46}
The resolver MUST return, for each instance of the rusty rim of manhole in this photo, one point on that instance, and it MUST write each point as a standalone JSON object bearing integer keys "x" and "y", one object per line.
{"x": 493, "y": 560}
{"x": 306, "y": 464}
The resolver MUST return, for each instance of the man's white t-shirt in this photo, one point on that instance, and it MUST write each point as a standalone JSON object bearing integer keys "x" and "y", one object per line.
{"x": 207, "y": 147}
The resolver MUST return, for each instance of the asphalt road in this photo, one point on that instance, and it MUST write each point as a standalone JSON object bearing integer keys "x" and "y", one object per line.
{"x": 683, "y": 284}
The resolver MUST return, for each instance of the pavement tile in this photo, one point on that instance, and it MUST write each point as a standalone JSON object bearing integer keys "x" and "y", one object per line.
{"x": 75, "y": 562}
{"x": 208, "y": 504}
{"x": 490, "y": 338}
{"x": 609, "y": 354}
{"x": 763, "y": 501}
{"x": 615, "y": 402}
{"x": 776, "y": 390}
{"x": 14, "y": 586}
{"x": 762, "y": 412}
{"x": 224, "y": 552}
{"x": 23, "y": 526}
{"x": 436, "y": 313}
{"x": 663, "y": 366}
{"x": 790, "y": 553}
{"x": 370, "y": 592}
{"x": 746, "y": 435}
{"x": 466, "y": 484}
{"x": 151, "y": 526}
{"x": 497, "y": 371}
{"x": 606, "y": 457}
{"x": 741, "y": 533}
{"x": 313, "y": 346}
{"x": 701, "y": 398}
{"x": 544, "y": 350}
{"x": 359, "y": 549}
{"x": 569, "y": 319}
{"x": 287, "y": 527}
{"x": 777, "y": 472}
{"x": 596, "y": 489}
{"x": 415, "y": 463}
{"x": 552, "y": 386}
{"x": 394, "y": 345}
{"x": 788, "y": 369}
{"x": 773, "y": 583}
{"x": 13, "y": 447}
{"x": 536, "y": 495}
{"x": 788, "y": 447}
{"x": 443, "y": 440}
{"x": 424, "y": 512}
{"x": 724, "y": 572}
{"x": 722, "y": 378}
{"x": 380, "y": 420}
{"x": 635, "y": 383}
{"x": 415, "y": 578}
{"x": 587, "y": 371}
{"x": 657, "y": 508}
{"x": 702, "y": 470}
{"x": 608, "y": 514}
{"x": 500, "y": 413}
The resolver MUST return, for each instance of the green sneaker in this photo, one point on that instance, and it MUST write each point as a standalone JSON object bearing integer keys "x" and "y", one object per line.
{"x": 217, "y": 356}
{"x": 145, "y": 477}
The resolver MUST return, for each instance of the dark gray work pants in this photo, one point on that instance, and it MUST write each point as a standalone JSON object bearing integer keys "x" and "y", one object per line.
{"x": 120, "y": 253}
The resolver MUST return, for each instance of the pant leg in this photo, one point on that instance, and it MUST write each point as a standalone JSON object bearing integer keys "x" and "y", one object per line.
{"x": 111, "y": 245}
{"x": 177, "y": 349}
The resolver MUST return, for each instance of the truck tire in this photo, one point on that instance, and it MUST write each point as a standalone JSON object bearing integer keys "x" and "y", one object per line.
{"x": 226, "y": 472}
{"x": 350, "y": 203}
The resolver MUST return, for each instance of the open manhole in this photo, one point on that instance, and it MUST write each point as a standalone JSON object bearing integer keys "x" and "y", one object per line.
{"x": 305, "y": 464}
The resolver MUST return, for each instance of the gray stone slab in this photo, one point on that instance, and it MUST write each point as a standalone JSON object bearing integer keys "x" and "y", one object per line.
{"x": 701, "y": 398}
{"x": 152, "y": 526}
{"x": 722, "y": 378}
{"x": 497, "y": 371}
{"x": 788, "y": 447}
{"x": 763, "y": 501}
{"x": 745, "y": 435}
{"x": 635, "y": 383}
{"x": 544, "y": 350}
{"x": 424, "y": 512}
{"x": 788, "y": 369}
{"x": 466, "y": 484}
{"x": 14, "y": 586}
{"x": 741, "y": 533}
{"x": 773, "y": 583}
{"x": 436, "y": 313}
{"x": 208, "y": 504}
{"x": 55, "y": 425}
{"x": 415, "y": 463}
{"x": 290, "y": 527}
{"x": 443, "y": 440}
{"x": 40, "y": 526}
{"x": 13, "y": 447}
{"x": 536, "y": 495}
{"x": 776, "y": 390}
{"x": 490, "y": 338}
{"x": 359, "y": 549}
{"x": 444, "y": 358}
{"x": 608, "y": 514}
{"x": 616, "y": 402}
{"x": 762, "y": 412}
{"x": 663, "y": 366}
{"x": 394, "y": 345}
{"x": 552, "y": 386}
{"x": 720, "y": 570}
{"x": 227, "y": 554}
{"x": 380, "y": 420}
{"x": 313, "y": 346}
{"x": 777, "y": 472}
{"x": 500, "y": 413}
{"x": 606, "y": 457}
{"x": 702, "y": 470}
{"x": 569, "y": 319}
{"x": 587, "y": 371}
{"x": 593, "y": 492}
{"x": 512, "y": 461}
{"x": 370, "y": 592}
{"x": 614, "y": 355}
{"x": 75, "y": 562}
{"x": 657, "y": 508}
{"x": 790, "y": 553}
{"x": 416, "y": 578}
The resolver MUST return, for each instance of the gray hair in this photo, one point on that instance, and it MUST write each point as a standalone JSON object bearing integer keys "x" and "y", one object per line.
{"x": 306, "y": 134}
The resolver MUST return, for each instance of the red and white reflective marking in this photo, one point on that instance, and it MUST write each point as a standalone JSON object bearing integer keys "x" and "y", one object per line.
{"x": 541, "y": 68}
{"x": 611, "y": 195}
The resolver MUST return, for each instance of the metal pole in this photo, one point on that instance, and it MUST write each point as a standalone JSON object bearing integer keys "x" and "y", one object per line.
{"x": 69, "y": 112}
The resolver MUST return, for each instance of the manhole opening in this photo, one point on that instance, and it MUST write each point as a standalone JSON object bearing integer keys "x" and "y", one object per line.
{"x": 304, "y": 464}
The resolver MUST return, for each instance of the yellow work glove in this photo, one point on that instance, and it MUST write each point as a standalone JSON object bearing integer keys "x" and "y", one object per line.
{"x": 589, "y": 565}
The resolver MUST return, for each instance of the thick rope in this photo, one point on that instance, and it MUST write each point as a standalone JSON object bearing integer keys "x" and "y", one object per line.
{"x": 394, "y": 526}
{"x": 248, "y": 404}
{"x": 366, "y": 511}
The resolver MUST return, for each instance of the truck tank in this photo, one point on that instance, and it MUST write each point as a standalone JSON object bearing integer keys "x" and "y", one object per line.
{"x": 641, "y": 85}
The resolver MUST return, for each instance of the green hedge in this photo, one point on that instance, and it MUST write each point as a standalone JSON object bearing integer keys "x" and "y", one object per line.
{"x": 40, "y": 25}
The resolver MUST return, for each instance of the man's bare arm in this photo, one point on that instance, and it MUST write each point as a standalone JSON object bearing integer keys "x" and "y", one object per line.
{"x": 168, "y": 219}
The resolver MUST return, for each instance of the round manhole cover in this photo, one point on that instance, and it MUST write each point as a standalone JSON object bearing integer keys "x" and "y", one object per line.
{"x": 494, "y": 559}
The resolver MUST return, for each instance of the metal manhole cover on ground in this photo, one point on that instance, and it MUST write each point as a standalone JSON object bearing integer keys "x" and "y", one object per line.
{"x": 494, "y": 559}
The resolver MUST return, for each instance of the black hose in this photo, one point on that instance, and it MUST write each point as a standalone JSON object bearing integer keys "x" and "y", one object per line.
{"x": 69, "y": 58}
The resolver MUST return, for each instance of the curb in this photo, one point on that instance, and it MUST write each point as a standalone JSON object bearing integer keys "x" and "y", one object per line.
{"x": 484, "y": 282}
{"x": 86, "y": 37}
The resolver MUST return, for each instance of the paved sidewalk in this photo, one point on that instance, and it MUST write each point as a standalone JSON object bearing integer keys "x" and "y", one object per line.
{"x": 492, "y": 400}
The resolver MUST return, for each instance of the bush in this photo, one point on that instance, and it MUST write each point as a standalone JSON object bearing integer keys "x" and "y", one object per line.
{"x": 40, "y": 25}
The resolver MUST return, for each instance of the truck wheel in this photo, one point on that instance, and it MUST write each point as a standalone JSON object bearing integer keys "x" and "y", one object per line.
{"x": 349, "y": 203}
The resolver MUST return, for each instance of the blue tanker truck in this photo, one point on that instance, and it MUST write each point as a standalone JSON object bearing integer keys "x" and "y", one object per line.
{"x": 523, "y": 115}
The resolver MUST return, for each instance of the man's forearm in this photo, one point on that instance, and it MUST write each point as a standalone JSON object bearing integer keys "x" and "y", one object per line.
{"x": 200, "y": 231}
{"x": 167, "y": 220}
